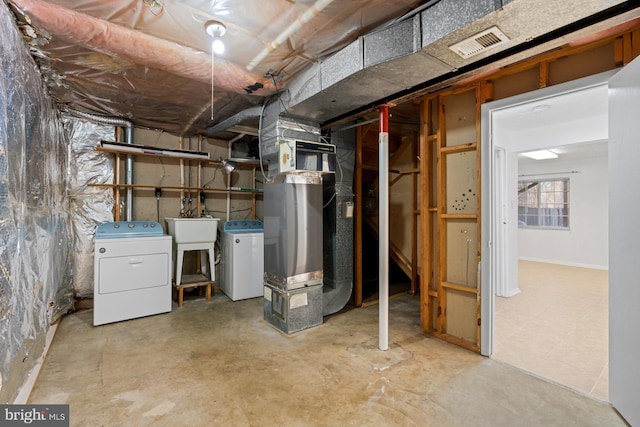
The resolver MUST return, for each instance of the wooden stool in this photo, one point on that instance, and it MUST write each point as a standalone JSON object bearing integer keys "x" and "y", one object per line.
{"x": 178, "y": 252}
{"x": 192, "y": 281}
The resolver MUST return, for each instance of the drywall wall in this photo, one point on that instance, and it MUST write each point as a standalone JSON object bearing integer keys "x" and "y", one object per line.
{"x": 585, "y": 244}
{"x": 400, "y": 200}
{"x": 35, "y": 237}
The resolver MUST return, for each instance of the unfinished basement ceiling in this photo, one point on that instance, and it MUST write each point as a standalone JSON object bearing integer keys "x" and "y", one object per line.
{"x": 149, "y": 61}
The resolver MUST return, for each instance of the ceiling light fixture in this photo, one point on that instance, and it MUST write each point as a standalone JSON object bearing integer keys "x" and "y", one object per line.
{"x": 228, "y": 165}
{"x": 216, "y": 30}
{"x": 541, "y": 155}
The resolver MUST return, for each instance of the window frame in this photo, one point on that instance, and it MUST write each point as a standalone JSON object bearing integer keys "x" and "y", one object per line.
{"x": 539, "y": 204}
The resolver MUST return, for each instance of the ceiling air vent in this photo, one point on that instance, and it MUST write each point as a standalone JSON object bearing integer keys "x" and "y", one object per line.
{"x": 480, "y": 42}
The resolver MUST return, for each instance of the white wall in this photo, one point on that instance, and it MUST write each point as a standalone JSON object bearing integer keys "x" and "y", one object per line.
{"x": 585, "y": 244}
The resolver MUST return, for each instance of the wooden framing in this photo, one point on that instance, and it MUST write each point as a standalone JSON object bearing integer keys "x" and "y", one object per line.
{"x": 441, "y": 201}
{"x": 434, "y": 241}
{"x": 428, "y": 263}
{"x": 433, "y": 156}
{"x": 357, "y": 274}
{"x": 415, "y": 216}
{"x": 426, "y": 221}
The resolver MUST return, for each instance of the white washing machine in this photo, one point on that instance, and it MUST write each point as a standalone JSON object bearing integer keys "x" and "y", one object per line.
{"x": 132, "y": 271}
{"x": 242, "y": 259}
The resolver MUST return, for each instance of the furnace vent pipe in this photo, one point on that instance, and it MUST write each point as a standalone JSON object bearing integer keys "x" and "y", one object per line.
{"x": 128, "y": 137}
{"x": 249, "y": 113}
{"x": 383, "y": 229}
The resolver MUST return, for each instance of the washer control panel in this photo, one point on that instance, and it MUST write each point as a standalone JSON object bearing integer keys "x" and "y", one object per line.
{"x": 128, "y": 229}
{"x": 243, "y": 226}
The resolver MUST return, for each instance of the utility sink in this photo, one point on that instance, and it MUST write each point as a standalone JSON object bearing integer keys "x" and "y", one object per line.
{"x": 193, "y": 230}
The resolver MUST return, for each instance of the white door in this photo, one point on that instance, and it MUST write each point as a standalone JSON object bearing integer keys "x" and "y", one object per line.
{"x": 624, "y": 242}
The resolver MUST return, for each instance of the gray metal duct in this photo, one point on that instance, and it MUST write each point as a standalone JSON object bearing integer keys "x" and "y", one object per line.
{"x": 249, "y": 113}
{"x": 408, "y": 53}
{"x": 338, "y": 225}
{"x": 128, "y": 126}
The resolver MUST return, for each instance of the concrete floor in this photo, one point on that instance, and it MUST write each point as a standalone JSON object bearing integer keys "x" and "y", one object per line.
{"x": 219, "y": 363}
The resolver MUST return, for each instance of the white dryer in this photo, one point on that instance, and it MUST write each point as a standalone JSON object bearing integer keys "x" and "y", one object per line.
{"x": 242, "y": 259}
{"x": 132, "y": 271}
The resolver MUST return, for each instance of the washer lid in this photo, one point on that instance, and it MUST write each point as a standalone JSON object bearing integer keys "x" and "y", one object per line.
{"x": 243, "y": 226}
{"x": 128, "y": 229}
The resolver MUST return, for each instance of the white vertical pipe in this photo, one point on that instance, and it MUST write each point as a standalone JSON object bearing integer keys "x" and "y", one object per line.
{"x": 129, "y": 174}
{"x": 181, "y": 180}
{"x": 229, "y": 182}
{"x": 383, "y": 229}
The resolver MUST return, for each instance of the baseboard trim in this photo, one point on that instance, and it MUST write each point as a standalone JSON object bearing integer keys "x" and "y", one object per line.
{"x": 568, "y": 264}
{"x": 27, "y": 386}
{"x": 513, "y": 292}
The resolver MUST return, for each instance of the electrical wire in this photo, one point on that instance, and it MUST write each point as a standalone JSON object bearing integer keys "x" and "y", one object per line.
{"x": 236, "y": 210}
{"x": 339, "y": 185}
{"x": 264, "y": 106}
{"x": 214, "y": 177}
{"x": 284, "y": 107}
{"x": 212, "y": 81}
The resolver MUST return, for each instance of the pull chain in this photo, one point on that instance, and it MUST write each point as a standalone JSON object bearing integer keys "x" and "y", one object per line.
{"x": 213, "y": 55}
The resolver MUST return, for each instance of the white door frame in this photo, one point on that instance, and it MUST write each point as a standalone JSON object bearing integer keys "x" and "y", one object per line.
{"x": 505, "y": 286}
{"x": 490, "y": 245}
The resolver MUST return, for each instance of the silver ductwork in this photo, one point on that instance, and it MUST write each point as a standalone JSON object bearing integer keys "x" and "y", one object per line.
{"x": 308, "y": 223}
{"x": 293, "y": 230}
{"x": 337, "y": 217}
{"x": 128, "y": 136}
{"x": 416, "y": 52}
{"x": 236, "y": 119}
{"x": 293, "y": 251}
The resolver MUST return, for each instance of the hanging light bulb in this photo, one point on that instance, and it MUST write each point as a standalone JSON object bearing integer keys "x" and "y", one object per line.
{"x": 217, "y": 47}
{"x": 215, "y": 30}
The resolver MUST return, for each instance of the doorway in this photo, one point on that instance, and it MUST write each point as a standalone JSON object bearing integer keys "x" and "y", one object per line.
{"x": 556, "y": 324}
{"x": 568, "y": 115}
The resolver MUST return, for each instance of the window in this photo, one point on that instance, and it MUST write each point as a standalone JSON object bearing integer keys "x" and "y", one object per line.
{"x": 543, "y": 203}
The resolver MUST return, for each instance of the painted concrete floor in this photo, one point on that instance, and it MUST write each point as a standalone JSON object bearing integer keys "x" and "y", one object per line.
{"x": 220, "y": 363}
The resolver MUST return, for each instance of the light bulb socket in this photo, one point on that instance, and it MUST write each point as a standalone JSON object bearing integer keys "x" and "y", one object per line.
{"x": 215, "y": 29}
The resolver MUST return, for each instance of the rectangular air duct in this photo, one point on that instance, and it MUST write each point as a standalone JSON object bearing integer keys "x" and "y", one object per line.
{"x": 480, "y": 42}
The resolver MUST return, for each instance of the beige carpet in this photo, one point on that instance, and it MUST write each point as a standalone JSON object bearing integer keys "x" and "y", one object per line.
{"x": 557, "y": 326}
